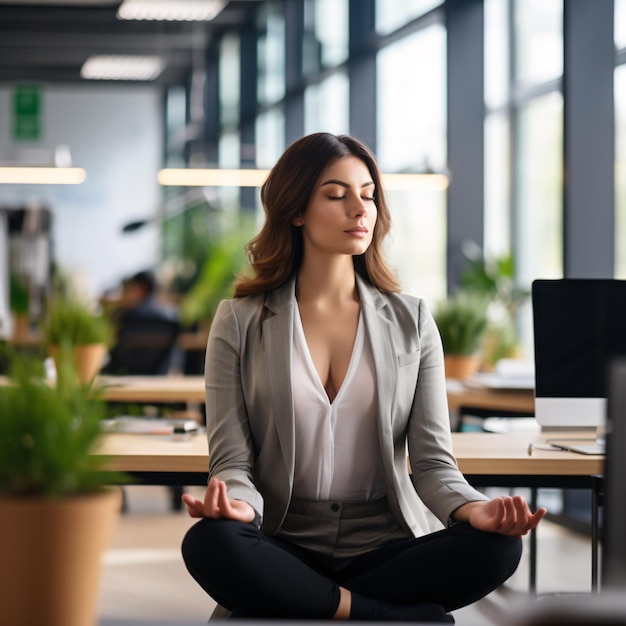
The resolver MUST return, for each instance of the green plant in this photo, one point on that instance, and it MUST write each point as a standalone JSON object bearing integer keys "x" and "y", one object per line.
{"x": 48, "y": 432}
{"x": 70, "y": 321}
{"x": 19, "y": 298}
{"x": 494, "y": 278}
{"x": 225, "y": 259}
{"x": 462, "y": 321}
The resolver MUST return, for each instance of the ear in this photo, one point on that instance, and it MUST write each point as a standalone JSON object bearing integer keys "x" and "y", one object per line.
{"x": 297, "y": 220}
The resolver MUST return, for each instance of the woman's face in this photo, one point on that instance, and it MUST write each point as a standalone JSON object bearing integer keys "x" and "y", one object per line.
{"x": 341, "y": 214}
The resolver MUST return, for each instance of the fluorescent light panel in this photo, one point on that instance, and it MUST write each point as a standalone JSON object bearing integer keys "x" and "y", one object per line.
{"x": 170, "y": 10}
{"x": 254, "y": 178}
{"x": 122, "y": 67}
{"x": 42, "y": 175}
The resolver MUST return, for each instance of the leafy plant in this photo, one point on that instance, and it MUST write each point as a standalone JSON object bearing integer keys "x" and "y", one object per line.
{"x": 492, "y": 277}
{"x": 225, "y": 259}
{"x": 19, "y": 299}
{"x": 462, "y": 321}
{"x": 48, "y": 432}
{"x": 70, "y": 321}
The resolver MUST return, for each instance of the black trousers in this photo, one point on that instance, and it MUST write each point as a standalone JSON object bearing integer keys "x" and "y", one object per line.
{"x": 261, "y": 576}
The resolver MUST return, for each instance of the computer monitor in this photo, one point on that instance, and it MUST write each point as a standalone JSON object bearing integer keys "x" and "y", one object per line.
{"x": 579, "y": 327}
{"x": 614, "y": 522}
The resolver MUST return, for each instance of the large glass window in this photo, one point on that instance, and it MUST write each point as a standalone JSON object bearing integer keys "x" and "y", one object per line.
{"x": 325, "y": 41}
{"x": 271, "y": 55}
{"x": 538, "y": 41}
{"x": 496, "y": 53}
{"x": 270, "y": 134}
{"x": 620, "y": 23}
{"x": 411, "y": 136}
{"x": 229, "y": 80}
{"x": 497, "y": 229}
{"x": 326, "y": 105}
{"x": 620, "y": 172}
{"x": 392, "y": 14}
{"x": 539, "y": 165}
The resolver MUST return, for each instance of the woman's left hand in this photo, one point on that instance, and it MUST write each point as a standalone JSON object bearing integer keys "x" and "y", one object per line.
{"x": 506, "y": 515}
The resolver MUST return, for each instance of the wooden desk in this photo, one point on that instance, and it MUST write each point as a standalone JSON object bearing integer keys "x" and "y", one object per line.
{"x": 519, "y": 401}
{"x": 486, "y": 459}
{"x": 191, "y": 389}
{"x": 146, "y": 389}
{"x": 492, "y": 456}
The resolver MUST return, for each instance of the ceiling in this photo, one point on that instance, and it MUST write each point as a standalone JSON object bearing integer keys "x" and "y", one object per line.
{"x": 48, "y": 40}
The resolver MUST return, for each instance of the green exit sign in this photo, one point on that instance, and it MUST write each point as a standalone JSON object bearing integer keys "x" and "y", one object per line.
{"x": 27, "y": 112}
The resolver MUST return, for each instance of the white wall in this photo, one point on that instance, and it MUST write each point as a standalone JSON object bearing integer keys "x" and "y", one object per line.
{"x": 115, "y": 133}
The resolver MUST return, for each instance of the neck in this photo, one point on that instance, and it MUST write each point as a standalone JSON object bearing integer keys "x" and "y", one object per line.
{"x": 333, "y": 280}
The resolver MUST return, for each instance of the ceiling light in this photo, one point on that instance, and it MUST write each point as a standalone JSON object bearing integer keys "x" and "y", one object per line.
{"x": 399, "y": 182}
{"x": 170, "y": 10}
{"x": 17, "y": 175}
{"x": 122, "y": 67}
{"x": 197, "y": 177}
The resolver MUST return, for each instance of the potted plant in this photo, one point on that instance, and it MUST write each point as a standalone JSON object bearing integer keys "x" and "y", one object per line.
{"x": 19, "y": 302}
{"x": 493, "y": 277}
{"x": 56, "y": 514}
{"x": 71, "y": 325}
{"x": 462, "y": 322}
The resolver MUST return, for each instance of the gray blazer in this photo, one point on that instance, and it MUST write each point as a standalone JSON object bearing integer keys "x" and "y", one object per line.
{"x": 249, "y": 405}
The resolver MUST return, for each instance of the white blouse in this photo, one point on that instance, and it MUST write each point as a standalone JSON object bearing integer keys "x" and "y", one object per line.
{"x": 337, "y": 449}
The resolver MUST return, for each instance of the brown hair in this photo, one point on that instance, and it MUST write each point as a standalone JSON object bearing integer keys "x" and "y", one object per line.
{"x": 276, "y": 252}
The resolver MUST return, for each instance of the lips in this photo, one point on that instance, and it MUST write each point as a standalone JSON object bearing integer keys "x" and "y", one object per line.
{"x": 357, "y": 230}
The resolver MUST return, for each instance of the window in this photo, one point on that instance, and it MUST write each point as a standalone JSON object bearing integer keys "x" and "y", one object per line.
{"x": 229, "y": 77}
{"x": 620, "y": 23}
{"x": 538, "y": 41}
{"x": 392, "y": 14}
{"x": 271, "y": 56}
{"x": 325, "y": 42}
{"x": 539, "y": 166}
{"x": 326, "y": 105}
{"x": 411, "y": 136}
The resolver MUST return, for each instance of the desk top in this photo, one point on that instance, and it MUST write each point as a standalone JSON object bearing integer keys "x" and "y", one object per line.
{"x": 179, "y": 388}
{"x": 191, "y": 389}
{"x": 152, "y": 388}
{"x": 476, "y": 453}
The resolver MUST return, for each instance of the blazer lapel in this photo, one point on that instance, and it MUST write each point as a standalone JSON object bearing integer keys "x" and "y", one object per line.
{"x": 373, "y": 306}
{"x": 277, "y": 343}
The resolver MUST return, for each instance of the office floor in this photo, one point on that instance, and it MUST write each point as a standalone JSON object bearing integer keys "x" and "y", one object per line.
{"x": 144, "y": 578}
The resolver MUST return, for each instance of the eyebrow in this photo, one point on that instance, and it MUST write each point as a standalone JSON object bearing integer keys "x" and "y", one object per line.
{"x": 334, "y": 181}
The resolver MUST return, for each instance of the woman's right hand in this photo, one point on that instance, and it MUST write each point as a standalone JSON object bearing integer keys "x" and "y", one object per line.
{"x": 217, "y": 504}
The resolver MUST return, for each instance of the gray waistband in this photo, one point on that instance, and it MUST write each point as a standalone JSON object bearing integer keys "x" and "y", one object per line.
{"x": 345, "y": 510}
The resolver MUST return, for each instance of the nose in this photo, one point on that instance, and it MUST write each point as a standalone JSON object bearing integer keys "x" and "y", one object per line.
{"x": 358, "y": 206}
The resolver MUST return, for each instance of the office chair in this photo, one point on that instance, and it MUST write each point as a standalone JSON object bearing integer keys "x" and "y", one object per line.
{"x": 144, "y": 346}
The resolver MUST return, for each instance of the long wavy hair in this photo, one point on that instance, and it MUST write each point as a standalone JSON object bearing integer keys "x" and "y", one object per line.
{"x": 275, "y": 254}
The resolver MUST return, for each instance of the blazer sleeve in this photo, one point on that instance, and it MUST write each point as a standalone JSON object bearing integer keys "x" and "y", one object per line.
{"x": 434, "y": 470}
{"x": 231, "y": 453}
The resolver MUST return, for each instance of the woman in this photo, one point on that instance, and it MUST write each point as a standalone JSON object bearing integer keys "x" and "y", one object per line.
{"x": 319, "y": 377}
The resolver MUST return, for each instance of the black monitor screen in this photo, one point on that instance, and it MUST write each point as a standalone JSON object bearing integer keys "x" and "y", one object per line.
{"x": 579, "y": 326}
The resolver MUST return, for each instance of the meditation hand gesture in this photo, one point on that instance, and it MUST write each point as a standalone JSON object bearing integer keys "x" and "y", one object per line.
{"x": 217, "y": 504}
{"x": 505, "y": 515}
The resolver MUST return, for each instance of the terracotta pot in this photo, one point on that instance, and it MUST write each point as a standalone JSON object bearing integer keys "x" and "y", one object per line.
{"x": 87, "y": 359}
{"x": 51, "y": 557}
{"x": 461, "y": 367}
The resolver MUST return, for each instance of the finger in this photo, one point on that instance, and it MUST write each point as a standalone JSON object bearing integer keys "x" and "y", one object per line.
{"x": 211, "y": 499}
{"x": 511, "y": 514}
